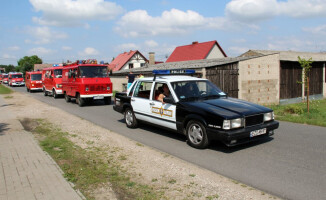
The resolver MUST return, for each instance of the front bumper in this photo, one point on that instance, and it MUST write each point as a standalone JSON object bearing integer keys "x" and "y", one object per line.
{"x": 95, "y": 95}
{"x": 17, "y": 83}
{"x": 36, "y": 88}
{"x": 58, "y": 91}
{"x": 242, "y": 135}
{"x": 118, "y": 108}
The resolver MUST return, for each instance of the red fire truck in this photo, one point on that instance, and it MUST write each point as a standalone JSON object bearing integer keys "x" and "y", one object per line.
{"x": 52, "y": 81}
{"x": 5, "y": 78}
{"x": 86, "y": 81}
{"x": 33, "y": 81}
{"x": 16, "y": 79}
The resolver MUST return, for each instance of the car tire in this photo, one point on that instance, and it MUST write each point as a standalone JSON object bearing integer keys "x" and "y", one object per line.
{"x": 80, "y": 101}
{"x": 196, "y": 135}
{"x": 54, "y": 94}
{"x": 67, "y": 98}
{"x": 107, "y": 100}
{"x": 130, "y": 118}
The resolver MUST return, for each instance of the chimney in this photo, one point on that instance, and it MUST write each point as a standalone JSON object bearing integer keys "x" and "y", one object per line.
{"x": 195, "y": 42}
{"x": 151, "y": 58}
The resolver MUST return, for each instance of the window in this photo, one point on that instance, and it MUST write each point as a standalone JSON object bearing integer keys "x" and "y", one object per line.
{"x": 158, "y": 90}
{"x": 58, "y": 73}
{"x": 93, "y": 71}
{"x": 131, "y": 65}
{"x": 35, "y": 77}
{"x": 143, "y": 89}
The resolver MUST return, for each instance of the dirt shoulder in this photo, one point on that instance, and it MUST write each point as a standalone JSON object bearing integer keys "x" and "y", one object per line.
{"x": 172, "y": 177}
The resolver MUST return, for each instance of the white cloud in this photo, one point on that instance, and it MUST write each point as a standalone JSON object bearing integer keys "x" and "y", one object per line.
{"x": 257, "y": 10}
{"x": 151, "y": 43}
{"x": 40, "y": 51}
{"x": 319, "y": 30}
{"x": 139, "y": 23}
{"x": 74, "y": 12}
{"x": 89, "y": 51}
{"x": 66, "y": 48}
{"x": 44, "y": 35}
{"x": 14, "y": 48}
{"x": 7, "y": 56}
{"x": 236, "y": 51}
{"x": 127, "y": 47}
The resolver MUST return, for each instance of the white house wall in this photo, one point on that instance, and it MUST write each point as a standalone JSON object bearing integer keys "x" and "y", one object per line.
{"x": 215, "y": 53}
{"x": 136, "y": 63}
{"x": 259, "y": 79}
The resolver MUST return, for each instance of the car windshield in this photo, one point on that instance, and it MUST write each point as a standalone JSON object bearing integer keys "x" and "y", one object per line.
{"x": 58, "y": 73}
{"x": 5, "y": 76}
{"x": 17, "y": 76}
{"x": 93, "y": 71}
{"x": 36, "y": 77}
{"x": 195, "y": 90}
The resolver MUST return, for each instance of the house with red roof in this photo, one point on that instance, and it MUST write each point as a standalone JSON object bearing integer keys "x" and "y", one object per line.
{"x": 128, "y": 60}
{"x": 197, "y": 51}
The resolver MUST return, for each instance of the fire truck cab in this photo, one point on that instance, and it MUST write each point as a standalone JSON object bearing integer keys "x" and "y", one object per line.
{"x": 16, "y": 79}
{"x": 86, "y": 81}
{"x": 33, "y": 81}
{"x": 52, "y": 81}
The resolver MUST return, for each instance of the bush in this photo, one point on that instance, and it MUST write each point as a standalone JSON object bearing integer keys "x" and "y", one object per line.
{"x": 293, "y": 109}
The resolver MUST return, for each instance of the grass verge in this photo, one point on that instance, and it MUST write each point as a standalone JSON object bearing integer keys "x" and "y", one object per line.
{"x": 297, "y": 113}
{"x": 5, "y": 90}
{"x": 89, "y": 169}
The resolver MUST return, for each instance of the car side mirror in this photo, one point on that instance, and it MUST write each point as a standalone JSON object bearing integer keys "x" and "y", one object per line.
{"x": 169, "y": 100}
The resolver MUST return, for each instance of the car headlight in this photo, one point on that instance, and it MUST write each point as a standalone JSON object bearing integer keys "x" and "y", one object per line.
{"x": 86, "y": 88}
{"x": 108, "y": 88}
{"x": 234, "y": 123}
{"x": 268, "y": 116}
{"x": 59, "y": 85}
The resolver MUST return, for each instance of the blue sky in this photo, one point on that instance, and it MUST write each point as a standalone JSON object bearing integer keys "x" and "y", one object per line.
{"x": 58, "y": 30}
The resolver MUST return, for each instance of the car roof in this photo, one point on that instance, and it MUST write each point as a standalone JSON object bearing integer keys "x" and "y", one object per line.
{"x": 172, "y": 78}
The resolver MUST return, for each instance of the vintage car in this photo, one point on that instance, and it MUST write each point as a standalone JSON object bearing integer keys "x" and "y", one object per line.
{"x": 196, "y": 108}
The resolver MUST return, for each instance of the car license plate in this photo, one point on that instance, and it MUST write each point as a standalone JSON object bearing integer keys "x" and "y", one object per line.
{"x": 98, "y": 97}
{"x": 257, "y": 132}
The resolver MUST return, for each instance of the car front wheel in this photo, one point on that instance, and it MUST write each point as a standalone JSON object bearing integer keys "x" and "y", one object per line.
{"x": 67, "y": 98}
{"x": 130, "y": 118}
{"x": 80, "y": 101}
{"x": 196, "y": 135}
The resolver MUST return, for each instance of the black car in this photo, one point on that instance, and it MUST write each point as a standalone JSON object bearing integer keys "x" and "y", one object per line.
{"x": 196, "y": 108}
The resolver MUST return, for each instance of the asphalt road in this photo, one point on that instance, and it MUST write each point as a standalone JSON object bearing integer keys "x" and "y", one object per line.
{"x": 290, "y": 165}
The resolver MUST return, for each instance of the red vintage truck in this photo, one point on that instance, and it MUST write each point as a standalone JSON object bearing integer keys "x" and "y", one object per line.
{"x": 33, "y": 81}
{"x": 86, "y": 81}
{"x": 5, "y": 78}
{"x": 52, "y": 81}
{"x": 16, "y": 79}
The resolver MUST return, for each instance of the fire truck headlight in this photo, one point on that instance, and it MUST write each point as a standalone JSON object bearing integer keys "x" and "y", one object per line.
{"x": 108, "y": 88}
{"x": 86, "y": 88}
{"x": 32, "y": 84}
{"x": 59, "y": 85}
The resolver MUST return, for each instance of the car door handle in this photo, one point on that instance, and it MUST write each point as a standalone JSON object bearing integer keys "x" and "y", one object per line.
{"x": 152, "y": 103}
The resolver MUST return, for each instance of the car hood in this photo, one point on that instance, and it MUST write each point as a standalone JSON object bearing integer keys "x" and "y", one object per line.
{"x": 228, "y": 107}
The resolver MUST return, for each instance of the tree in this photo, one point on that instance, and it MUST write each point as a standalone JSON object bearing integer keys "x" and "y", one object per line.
{"x": 8, "y": 68}
{"x": 27, "y": 63}
{"x": 306, "y": 66}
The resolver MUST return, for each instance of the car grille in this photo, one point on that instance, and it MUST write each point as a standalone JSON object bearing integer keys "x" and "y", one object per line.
{"x": 254, "y": 120}
{"x": 98, "y": 88}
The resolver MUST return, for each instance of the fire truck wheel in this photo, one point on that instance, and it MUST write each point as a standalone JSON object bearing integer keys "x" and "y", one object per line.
{"x": 55, "y": 95}
{"x": 67, "y": 98}
{"x": 130, "y": 118}
{"x": 107, "y": 100}
{"x": 80, "y": 101}
{"x": 45, "y": 92}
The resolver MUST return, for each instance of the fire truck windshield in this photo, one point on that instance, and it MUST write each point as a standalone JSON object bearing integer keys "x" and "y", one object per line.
{"x": 58, "y": 73}
{"x": 36, "y": 77}
{"x": 5, "y": 76}
{"x": 93, "y": 71}
{"x": 17, "y": 76}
